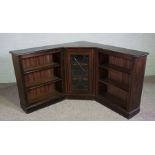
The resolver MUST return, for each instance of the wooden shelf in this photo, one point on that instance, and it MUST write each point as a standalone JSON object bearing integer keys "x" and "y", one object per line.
{"x": 82, "y": 64}
{"x": 114, "y": 67}
{"x": 114, "y": 83}
{"x": 44, "y": 97}
{"x": 38, "y": 68}
{"x": 83, "y": 79}
{"x": 114, "y": 100}
{"x": 41, "y": 82}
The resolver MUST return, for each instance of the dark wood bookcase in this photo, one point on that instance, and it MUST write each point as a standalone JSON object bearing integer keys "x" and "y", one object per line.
{"x": 112, "y": 76}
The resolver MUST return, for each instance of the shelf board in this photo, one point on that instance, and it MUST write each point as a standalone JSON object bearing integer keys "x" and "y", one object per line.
{"x": 114, "y": 100}
{"x": 114, "y": 83}
{"x": 44, "y": 97}
{"x": 114, "y": 67}
{"x": 38, "y": 68}
{"x": 77, "y": 79}
{"x": 42, "y": 82}
{"x": 82, "y": 64}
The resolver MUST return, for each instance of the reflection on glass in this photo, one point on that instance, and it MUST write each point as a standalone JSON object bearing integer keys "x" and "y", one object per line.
{"x": 79, "y": 69}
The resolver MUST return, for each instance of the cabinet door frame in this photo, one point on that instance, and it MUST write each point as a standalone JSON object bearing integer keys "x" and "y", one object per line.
{"x": 79, "y": 51}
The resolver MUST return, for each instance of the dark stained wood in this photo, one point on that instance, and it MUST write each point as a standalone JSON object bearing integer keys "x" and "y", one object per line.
{"x": 79, "y": 51}
{"x": 114, "y": 99}
{"x": 44, "y": 97}
{"x": 114, "y": 83}
{"x": 41, "y": 83}
{"x": 115, "y": 76}
{"x": 20, "y": 80}
{"x": 117, "y": 108}
{"x": 83, "y": 44}
{"x": 119, "y": 81}
{"x": 115, "y": 68}
{"x": 136, "y": 83}
{"x": 43, "y": 104}
{"x": 39, "y": 68}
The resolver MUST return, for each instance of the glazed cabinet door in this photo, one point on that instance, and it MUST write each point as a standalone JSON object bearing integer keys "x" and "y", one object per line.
{"x": 79, "y": 71}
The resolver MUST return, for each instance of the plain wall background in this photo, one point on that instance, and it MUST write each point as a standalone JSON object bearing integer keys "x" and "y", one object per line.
{"x": 14, "y": 41}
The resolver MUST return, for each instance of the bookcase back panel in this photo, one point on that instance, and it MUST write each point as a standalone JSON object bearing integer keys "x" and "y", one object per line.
{"x": 120, "y": 77}
{"x": 43, "y": 60}
{"x": 121, "y": 62}
{"x": 43, "y": 93}
{"x": 113, "y": 94}
{"x": 42, "y": 76}
{"x": 117, "y": 92}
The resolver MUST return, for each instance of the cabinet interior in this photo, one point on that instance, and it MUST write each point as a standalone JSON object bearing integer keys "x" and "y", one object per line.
{"x": 79, "y": 72}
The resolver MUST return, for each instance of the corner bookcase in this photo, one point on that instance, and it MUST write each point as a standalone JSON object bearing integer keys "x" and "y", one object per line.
{"x": 110, "y": 75}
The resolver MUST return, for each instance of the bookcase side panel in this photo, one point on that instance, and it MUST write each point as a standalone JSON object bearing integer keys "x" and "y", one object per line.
{"x": 20, "y": 80}
{"x": 137, "y": 83}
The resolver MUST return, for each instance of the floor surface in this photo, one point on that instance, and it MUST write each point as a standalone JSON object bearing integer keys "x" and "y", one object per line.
{"x": 74, "y": 110}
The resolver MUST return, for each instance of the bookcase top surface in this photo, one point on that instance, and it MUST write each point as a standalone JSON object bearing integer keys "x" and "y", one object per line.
{"x": 80, "y": 44}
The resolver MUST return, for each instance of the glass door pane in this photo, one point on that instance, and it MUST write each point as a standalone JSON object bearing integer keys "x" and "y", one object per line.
{"x": 79, "y": 72}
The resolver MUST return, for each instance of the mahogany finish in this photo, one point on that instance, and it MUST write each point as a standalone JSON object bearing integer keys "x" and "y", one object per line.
{"x": 112, "y": 76}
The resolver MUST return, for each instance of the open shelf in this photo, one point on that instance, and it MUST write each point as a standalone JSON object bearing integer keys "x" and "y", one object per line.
{"x": 113, "y": 79}
{"x": 44, "y": 97}
{"x": 41, "y": 82}
{"x": 110, "y": 62}
{"x": 42, "y": 77}
{"x": 44, "y": 92}
{"x": 114, "y": 83}
{"x": 120, "y": 63}
{"x": 38, "y": 68}
{"x": 113, "y": 94}
{"x": 114, "y": 100}
{"x": 114, "y": 67}
{"x": 82, "y": 64}
{"x": 79, "y": 78}
{"x": 41, "y": 62}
